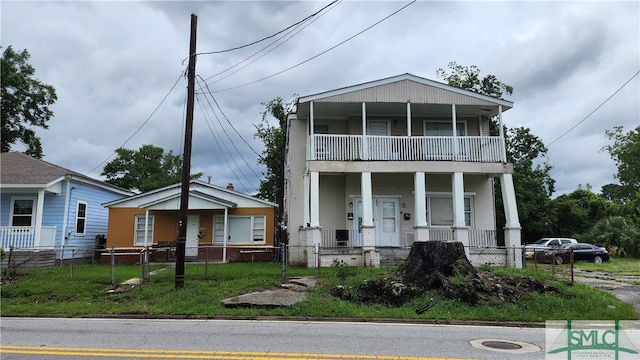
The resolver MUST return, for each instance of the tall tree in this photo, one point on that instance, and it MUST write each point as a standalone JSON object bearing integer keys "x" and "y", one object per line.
{"x": 144, "y": 169}
{"x": 25, "y": 103}
{"x": 625, "y": 151}
{"x": 468, "y": 77}
{"x": 532, "y": 181}
{"x": 274, "y": 136}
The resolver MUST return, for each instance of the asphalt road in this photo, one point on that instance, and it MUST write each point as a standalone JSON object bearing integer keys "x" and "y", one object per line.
{"x": 46, "y": 338}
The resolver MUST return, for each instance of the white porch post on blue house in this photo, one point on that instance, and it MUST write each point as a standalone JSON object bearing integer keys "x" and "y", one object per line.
{"x": 420, "y": 199}
{"x": 39, "y": 215}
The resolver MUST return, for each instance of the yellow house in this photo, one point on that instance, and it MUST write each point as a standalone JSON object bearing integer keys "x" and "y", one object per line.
{"x": 222, "y": 224}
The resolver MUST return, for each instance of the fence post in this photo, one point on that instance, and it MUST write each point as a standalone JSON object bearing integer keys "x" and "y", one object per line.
{"x": 317, "y": 250}
{"x": 9, "y": 261}
{"x": 284, "y": 261}
{"x": 146, "y": 263}
{"x": 206, "y": 262}
{"x": 113, "y": 265}
{"x": 141, "y": 268}
{"x": 73, "y": 256}
{"x": 571, "y": 259}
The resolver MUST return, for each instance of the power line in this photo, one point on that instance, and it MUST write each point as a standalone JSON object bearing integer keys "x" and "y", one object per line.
{"x": 141, "y": 126}
{"x": 270, "y": 36}
{"x": 226, "y": 118}
{"x": 596, "y": 109}
{"x": 321, "y": 53}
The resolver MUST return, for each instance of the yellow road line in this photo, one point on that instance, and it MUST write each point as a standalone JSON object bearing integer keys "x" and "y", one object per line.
{"x": 192, "y": 354}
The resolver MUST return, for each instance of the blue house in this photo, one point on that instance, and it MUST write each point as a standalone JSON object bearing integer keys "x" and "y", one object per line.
{"x": 45, "y": 206}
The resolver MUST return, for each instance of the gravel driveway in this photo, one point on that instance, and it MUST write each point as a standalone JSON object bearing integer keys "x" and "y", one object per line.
{"x": 625, "y": 288}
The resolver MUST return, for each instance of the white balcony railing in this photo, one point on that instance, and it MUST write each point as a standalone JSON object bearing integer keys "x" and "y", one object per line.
{"x": 25, "y": 237}
{"x": 405, "y": 148}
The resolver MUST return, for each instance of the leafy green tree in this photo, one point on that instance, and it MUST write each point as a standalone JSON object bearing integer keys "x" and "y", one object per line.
{"x": 625, "y": 151}
{"x": 274, "y": 136}
{"x": 618, "y": 235}
{"x": 532, "y": 182}
{"x": 144, "y": 169}
{"x": 531, "y": 178}
{"x": 575, "y": 213}
{"x": 468, "y": 78}
{"x": 25, "y": 103}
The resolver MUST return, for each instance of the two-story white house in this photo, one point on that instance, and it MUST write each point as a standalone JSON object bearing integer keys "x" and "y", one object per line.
{"x": 397, "y": 160}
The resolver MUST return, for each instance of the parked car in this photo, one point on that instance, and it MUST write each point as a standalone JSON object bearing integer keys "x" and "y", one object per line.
{"x": 546, "y": 243}
{"x": 581, "y": 252}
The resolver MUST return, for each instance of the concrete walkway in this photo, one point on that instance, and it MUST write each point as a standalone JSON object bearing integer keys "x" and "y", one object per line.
{"x": 288, "y": 294}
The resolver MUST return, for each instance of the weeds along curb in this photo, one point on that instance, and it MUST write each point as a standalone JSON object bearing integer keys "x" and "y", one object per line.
{"x": 518, "y": 324}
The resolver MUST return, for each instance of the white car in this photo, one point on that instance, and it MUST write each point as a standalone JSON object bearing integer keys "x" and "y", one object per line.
{"x": 544, "y": 243}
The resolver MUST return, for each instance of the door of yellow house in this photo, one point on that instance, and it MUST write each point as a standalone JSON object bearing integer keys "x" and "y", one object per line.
{"x": 193, "y": 227}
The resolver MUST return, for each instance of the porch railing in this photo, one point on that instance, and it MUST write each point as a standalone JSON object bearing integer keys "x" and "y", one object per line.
{"x": 477, "y": 238}
{"x": 25, "y": 237}
{"x": 405, "y": 148}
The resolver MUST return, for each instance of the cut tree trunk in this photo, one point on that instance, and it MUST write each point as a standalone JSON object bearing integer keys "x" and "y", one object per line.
{"x": 430, "y": 263}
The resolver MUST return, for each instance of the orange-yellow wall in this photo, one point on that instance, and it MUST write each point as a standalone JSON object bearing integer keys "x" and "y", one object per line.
{"x": 120, "y": 231}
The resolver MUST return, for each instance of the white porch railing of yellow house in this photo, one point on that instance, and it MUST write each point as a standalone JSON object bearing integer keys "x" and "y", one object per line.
{"x": 25, "y": 237}
{"x": 405, "y": 148}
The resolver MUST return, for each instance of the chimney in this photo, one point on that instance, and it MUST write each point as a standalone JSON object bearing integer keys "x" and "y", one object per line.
{"x": 230, "y": 186}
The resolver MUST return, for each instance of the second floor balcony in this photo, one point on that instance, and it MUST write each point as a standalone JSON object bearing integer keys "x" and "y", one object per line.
{"x": 328, "y": 147}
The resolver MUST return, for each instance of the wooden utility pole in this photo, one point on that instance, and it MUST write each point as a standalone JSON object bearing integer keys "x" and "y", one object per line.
{"x": 181, "y": 240}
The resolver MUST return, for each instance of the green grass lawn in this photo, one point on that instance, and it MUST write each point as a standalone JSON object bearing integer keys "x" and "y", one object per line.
{"x": 618, "y": 266}
{"x": 51, "y": 291}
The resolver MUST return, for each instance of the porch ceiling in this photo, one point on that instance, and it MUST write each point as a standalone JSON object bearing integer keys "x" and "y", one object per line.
{"x": 337, "y": 110}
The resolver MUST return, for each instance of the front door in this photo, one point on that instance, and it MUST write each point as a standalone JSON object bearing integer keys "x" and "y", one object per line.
{"x": 193, "y": 229}
{"x": 385, "y": 219}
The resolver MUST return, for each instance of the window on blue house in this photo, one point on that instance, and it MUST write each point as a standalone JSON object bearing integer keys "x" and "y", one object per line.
{"x": 23, "y": 211}
{"x": 81, "y": 218}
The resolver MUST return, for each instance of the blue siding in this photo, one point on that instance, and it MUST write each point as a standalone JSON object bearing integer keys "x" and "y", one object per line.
{"x": 54, "y": 207}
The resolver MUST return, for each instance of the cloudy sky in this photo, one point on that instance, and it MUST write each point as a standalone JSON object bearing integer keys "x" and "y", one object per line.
{"x": 113, "y": 62}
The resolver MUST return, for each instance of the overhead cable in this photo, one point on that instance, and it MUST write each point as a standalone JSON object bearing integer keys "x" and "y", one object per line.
{"x": 321, "y": 53}
{"x": 596, "y": 109}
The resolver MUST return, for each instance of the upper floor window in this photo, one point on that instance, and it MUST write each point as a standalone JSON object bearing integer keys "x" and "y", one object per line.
{"x": 22, "y": 211}
{"x": 81, "y": 218}
{"x": 443, "y": 128}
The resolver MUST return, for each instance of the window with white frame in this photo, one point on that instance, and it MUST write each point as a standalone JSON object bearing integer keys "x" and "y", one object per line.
{"x": 443, "y": 128}
{"x": 242, "y": 229}
{"x": 81, "y": 218}
{"x": 139, "y": 230}
{"x": 23, "y": 211}
{"x": 440, "y": 210}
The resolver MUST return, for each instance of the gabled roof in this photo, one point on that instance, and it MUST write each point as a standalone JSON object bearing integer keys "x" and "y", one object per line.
{"x": 401, "y": 89}
{"x": 18, "y": 170}
{"x": 201, "y": 196}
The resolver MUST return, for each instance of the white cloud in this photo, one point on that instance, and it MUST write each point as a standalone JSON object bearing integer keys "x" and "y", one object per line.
{"x": 113, "y": 62}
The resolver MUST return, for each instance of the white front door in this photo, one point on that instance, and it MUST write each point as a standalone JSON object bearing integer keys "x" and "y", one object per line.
{"x": 193, "y": 228}
{"x": 385, "y": 219}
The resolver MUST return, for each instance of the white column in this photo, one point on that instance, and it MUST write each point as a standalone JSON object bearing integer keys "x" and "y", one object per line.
{"x": 420, "y": 200}
{"x": 314, "y": 199}
{"x": 408, "y": 118}
{"x": 39, "y": 214}
{"x": 225, "y": 234}
{"x": 509, "y": 201}
{"x": 457, "y": 186}
{"x": 367, "y": 200}
{"x": 503, "y": 147}
{"x": 146, "y": 227}
{"x": 455, "y": 131}
{"x": 365, "y": 147}
{"x": 312, "y": 140}
{"x": 305, "y": 201}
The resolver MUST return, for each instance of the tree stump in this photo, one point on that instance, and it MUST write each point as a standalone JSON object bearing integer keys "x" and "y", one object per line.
{"x": 430, "y": 263}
